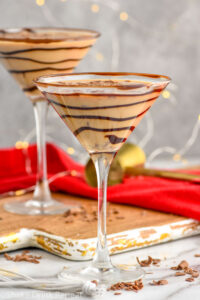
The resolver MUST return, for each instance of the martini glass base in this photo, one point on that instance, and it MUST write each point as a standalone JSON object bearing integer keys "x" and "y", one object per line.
{"x": 104, "y": 276}
{"x": 41, "y": 203}
{"x": 36, "y": 207}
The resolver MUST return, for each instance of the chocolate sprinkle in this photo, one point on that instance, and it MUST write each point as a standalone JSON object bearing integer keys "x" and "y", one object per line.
{"x": 159, "y": 282}
{"x": 24, "y": 257}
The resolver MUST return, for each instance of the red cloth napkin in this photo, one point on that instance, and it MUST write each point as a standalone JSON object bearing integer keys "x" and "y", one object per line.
{"x": 18, "y": 171}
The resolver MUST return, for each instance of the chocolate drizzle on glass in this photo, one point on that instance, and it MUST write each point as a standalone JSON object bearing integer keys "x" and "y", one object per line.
{"x": 114, "y": 139}
{"x": 30, "y": 89}
{"x": 98, "y": 107}
{"x": 80, "y": 129}
{"x": 43, "y": 49}
{"x": 39, "y": 70}
{"x": 39, "y": 61}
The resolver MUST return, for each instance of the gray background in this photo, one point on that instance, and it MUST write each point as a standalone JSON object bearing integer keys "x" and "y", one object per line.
{"x": 159, "y": 36}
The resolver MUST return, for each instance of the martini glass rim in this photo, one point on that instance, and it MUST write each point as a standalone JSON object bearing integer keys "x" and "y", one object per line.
{"x": 55, "y": 80}
{"x": 85, "y": 34}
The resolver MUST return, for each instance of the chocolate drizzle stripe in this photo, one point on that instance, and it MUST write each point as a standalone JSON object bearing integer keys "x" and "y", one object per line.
{"x": 115, "y": 139}
{"x": 80, "y": 129}
{"x": 99, "y": 94}
{"x": 40, "y": 61}
{"x": 143, "y": 112}
{"x": 102, "y": 107}
{"x": 44, "y": 49}
{"x": 89, "y": 117}
{"x": 38, "y": 70}
{"x": 30, "y": 89}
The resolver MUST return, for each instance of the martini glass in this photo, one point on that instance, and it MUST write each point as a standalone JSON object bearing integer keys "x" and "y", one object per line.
{"x": 102, "y": 109}
{"x": 30, "y": 52}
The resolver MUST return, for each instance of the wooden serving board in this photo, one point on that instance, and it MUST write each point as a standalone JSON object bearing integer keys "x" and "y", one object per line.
{"x": 74, "y": 236}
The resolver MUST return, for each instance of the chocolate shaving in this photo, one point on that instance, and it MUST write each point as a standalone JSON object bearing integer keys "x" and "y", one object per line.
{"x": 24, "y": 257}
{"x": 195, "y": 274}
{"x": 28, "y": 29}
{"x": 159, "y": 282}
{"x": 89, "y": 216}
{"x": 184, "y": 266}
{"x": 149, "y": 261}
{"x": 117, "y": 293}
{"x": 189, "y": 271}
{"x": 190, "y": 279}
{"x": 156, "y": 261}
{"x": 145, "y": 263}
{"x": 94, "y": 212}
{"x": 8, "y": 257}
{"x": 127, "y": 286}
{"x": 69, "y": 220}
{"x": 95, "y": 282}
{"x": 179, "y": 274}
{"x": 75, "y": 213}
{"x": 67, "y": 213}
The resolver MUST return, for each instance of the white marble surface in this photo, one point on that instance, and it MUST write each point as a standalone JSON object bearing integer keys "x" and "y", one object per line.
{"x": 170, "y": 253}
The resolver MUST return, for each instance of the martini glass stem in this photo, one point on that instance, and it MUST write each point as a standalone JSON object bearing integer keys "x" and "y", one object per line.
{"x": 102, "y": 259}
{"x": 41, "y": 192}
{"x": 41, "y": 202}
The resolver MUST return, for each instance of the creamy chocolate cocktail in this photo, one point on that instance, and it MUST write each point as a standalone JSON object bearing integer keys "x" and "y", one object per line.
{"x": 31, "y": 52}
{"x": 102, "y": 113}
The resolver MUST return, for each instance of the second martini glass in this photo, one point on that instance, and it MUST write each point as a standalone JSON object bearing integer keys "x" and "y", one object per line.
{"x": 102, "y": 109}
{"x": 30, "y": 52}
